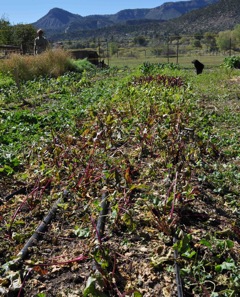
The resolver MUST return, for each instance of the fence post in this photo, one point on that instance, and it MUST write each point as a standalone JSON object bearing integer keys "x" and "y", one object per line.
{"x": 177, "y": 50}
{"x": 99, "y": 48}
{"x": 107, "y": 52}
{"x": 168, "y": 49}
{"x": 230, "y": 47}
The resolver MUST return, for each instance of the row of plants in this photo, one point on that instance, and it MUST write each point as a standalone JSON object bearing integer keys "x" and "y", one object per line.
{"x": 143, "y": 140}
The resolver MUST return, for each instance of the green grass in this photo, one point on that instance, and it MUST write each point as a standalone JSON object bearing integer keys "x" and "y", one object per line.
{"x": 210, "y": 61}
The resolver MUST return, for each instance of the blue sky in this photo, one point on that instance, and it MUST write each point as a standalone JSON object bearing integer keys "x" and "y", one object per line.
{"x": 29, "y": 11}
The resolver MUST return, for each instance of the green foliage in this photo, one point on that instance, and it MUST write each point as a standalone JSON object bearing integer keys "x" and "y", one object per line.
{"x": 140, "y": 40}
{"x": 91, "y": 289}
{"x": 81, "y": 232}
{"x": 232, "y": 62}
{"x": 183, "y": 246}
{"x": 153, "y": 142}
{"x": 19, "y": 35}
{"x": 5, "y": 32}
{"x": 147, "y": 67}
{"x": 23, "y": 36}
{"x": 113, "y": 48}
{"x": 81, "y": 65}
{"x": 6, "y": 81}
{"x": 224, "y": 40}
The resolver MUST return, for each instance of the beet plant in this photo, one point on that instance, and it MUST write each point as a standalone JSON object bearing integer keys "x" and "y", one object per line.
{"x": 151, "y": 188}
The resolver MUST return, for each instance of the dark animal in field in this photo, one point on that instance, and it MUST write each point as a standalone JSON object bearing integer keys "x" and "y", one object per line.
{"x": 102, "y": 65}
{"x": 199, "y": 66}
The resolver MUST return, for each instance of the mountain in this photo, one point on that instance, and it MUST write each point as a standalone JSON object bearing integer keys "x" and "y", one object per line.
{"x": 221, "y": 16}
{"x": 211, "y": 16}
{"x": 57, "y": 20}
{"x": 172, "y": 10}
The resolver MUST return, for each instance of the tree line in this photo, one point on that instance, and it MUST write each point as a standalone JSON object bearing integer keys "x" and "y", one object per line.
{"x": 18, "y": 35}
{"x": 22, "y": 35}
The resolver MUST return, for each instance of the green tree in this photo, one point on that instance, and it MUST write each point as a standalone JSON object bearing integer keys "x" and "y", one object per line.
{"x": 5, "y": 32}
{"x": 225, "y": 41}
{"x": 140, "y": 40}
{"x": 196, "y": 43}
{"x": 113, "y": 47}
{"x": 23, "y": 36}
{"x": 236, "y": 35}
{"x": 209, "y": 39}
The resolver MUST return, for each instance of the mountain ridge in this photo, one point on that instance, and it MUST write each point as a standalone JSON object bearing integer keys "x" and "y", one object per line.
{"x": 58, "y": 19}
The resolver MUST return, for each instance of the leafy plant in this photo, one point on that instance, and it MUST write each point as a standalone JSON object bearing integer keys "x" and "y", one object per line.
{"x": 155, "y": 143}
{"x": 232, "y": 62}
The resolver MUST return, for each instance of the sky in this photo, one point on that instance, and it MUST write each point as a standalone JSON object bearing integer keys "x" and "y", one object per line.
{"x": 30, "y": 11}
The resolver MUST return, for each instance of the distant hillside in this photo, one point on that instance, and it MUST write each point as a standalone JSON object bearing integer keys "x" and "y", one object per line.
{"x": 58, "y": 21}
{"x": 214, "y": 16}
{"x": 220, "y": 16}
{"x": 171, "y": 10}
{"x": 223, "y": 15}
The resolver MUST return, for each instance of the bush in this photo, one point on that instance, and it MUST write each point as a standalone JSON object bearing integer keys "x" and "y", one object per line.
{"x": 232, "y": 62}
{"x": 50, "y": 63}
{"x": 147, "y": 67}
{"x": 6, "y": 81}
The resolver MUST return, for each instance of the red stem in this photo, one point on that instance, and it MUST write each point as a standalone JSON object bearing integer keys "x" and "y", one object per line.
{"x": 24, "y": 201}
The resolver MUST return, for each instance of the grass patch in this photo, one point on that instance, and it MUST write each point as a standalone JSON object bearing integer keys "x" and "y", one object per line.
{"x": 52, "y": 63}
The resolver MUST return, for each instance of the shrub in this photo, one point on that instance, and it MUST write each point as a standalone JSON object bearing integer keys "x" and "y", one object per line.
{"x": 147, "y": 67}
{"x": 50, "y": 63}
{"x": 232, "y": 62}
{"x": 6, "y": 81}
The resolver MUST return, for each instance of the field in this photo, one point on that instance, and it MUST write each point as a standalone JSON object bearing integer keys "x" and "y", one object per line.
{"x": 185, "y": 61}
{"x": 121, "y": 181}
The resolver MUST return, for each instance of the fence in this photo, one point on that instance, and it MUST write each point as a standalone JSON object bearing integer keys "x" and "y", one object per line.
{"x": 6, "y": 50}
{"x": 125, "y": 52}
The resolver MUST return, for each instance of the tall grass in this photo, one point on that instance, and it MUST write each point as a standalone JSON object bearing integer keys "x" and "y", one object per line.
{"x": 50, "y": 63}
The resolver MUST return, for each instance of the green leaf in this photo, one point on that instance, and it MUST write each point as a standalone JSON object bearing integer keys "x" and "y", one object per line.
{"x": 91, "y": 288}
{"x": 230, "y": 244}
{"x": 137, "y": 294}
{"x": 225, "y": 266}
{"x": 205, "y": 243}
{"x": 8, "y": 169}
{"x": 81, "y": 232}
{"x": 189, "y": 254}
{"x": 63, "y": 205}
{"x": 183, "y": 245}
